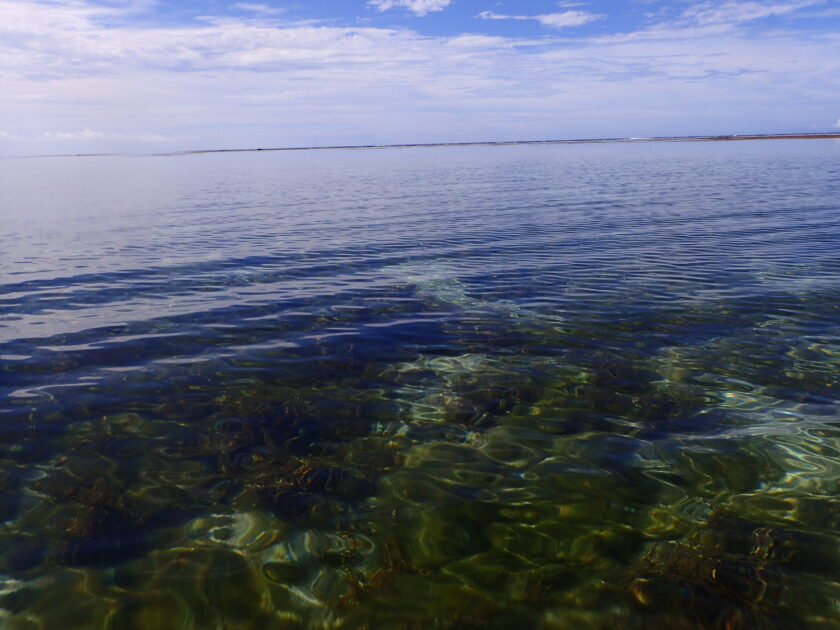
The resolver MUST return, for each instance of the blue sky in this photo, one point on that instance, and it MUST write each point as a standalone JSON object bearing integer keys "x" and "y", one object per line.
{"x": 160, "y": 75}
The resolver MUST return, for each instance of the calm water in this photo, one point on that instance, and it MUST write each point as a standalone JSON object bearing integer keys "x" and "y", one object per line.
{"x": 542, "y": 387}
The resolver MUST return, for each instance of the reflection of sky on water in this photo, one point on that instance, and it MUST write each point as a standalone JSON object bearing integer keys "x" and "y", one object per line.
{"x": 220, "y": 230}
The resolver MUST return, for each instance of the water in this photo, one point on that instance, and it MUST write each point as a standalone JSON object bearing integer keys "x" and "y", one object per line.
{"x": 531, "y": 386}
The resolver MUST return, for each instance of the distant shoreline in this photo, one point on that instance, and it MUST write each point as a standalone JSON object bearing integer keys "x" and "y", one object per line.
{"x": 428, "y": 145}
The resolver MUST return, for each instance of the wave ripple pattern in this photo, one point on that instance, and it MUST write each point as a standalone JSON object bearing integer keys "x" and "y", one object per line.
{"x": 551, "y": 387}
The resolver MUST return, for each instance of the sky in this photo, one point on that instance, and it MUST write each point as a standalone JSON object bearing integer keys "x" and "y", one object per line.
{"x": 153, "y": 76}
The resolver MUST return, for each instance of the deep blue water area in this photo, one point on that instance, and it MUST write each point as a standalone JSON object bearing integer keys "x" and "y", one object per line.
{"x": 548, "y": 387}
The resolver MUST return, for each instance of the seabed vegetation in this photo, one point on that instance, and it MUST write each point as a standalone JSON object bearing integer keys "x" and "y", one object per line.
{"x": 668, "y": 468}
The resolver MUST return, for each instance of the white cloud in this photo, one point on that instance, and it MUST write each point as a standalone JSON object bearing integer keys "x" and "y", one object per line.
{"x": 837, "y": 124}
{"x": 731, "y": 12}
{"x": 78, "y": 75}
{"x": 418, "y": 7}
{"x": 87, "y": 134}
{"x": 262, "y": 9}
{"x": 567, "y": 18}
{"x": 553, "y": 20}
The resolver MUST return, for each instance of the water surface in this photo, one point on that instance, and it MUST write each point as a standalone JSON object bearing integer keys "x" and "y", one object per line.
{"x": 468, "y": 387}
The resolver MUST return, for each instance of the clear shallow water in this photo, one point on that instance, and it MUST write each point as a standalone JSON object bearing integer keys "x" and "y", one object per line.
{"x": 550, "y": 387}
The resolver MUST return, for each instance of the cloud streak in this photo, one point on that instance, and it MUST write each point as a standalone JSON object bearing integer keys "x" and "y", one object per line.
{"x": 705, "y": 13}
{"x": 89, "y": 134}
{"x": 418, "y": 7}
{"x": 553, "y": 20}
{"x": 261, "y": 9}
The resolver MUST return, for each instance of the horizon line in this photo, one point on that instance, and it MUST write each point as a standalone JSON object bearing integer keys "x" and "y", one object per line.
{"x": 706, "y": 138}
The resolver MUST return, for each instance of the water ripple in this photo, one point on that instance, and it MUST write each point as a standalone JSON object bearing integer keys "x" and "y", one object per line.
{"x": 545, "y": 386}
